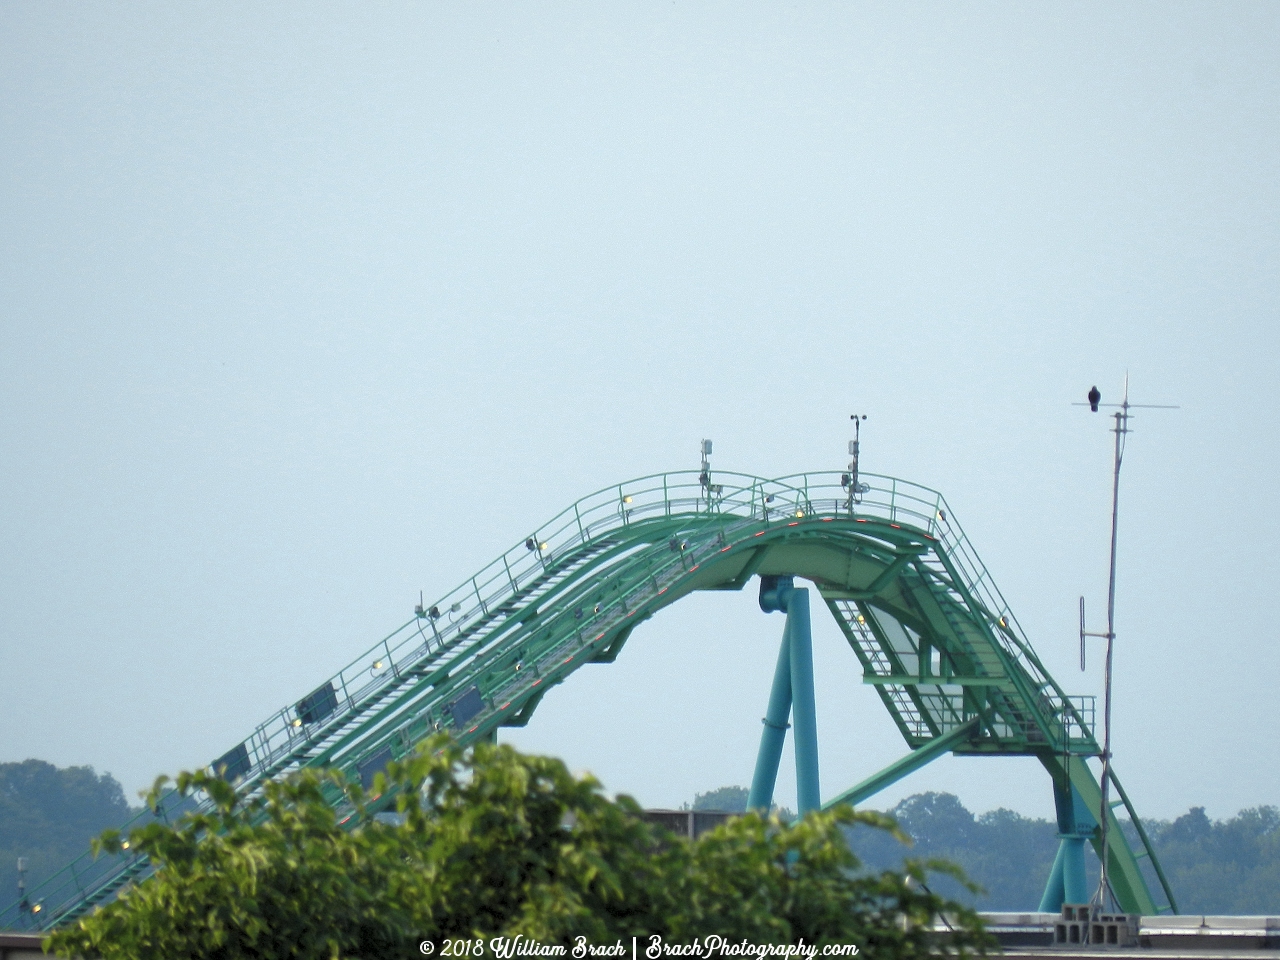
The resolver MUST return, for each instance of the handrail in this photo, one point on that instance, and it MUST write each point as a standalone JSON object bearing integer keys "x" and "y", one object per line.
{"x": 465, "y": 615}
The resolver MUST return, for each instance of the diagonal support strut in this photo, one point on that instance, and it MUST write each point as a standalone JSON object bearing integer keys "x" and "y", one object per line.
{"x": 913, "y": 761}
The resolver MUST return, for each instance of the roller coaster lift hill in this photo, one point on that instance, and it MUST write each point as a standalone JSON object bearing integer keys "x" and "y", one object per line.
{"x": 935, "y": 639}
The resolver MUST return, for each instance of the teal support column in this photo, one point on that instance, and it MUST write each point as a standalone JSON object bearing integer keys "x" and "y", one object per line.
{"x": 1054, "y": 892}
{"x": 1067, "y": 881}
{"x": 792, "y": 692}
{"x": 1075, "y": 888}
{"x": 775, "y": 731}
{"x": 803, "y": 708}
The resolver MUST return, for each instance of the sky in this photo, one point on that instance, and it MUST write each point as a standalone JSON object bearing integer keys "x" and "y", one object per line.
{"x": 306, "y": 308}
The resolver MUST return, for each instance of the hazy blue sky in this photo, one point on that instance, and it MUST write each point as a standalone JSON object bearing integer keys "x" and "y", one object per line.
{"x": 307, "y": 307}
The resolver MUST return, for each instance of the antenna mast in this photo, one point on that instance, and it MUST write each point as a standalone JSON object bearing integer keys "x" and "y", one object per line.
{"x": 1121, "y": 430}
{"x": 850, "y": 480}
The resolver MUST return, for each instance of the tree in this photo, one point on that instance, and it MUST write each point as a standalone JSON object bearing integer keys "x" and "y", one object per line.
{"x": 726, "y": 799}
{"x": 48, "y": 815}
{"x": 490, "y": 842}
{"x": 1222, "y": 866}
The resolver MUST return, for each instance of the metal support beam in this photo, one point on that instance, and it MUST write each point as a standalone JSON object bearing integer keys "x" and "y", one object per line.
{"x": 792, "y": 691}
{"x": 775, "y": 731}
{"x": 1067, "y": 882}
{"x": 803, "y": 707}
{"x": 914, "y": 760}
{"x": 1055, "y": 891}
{"x": 1125, "y": 876}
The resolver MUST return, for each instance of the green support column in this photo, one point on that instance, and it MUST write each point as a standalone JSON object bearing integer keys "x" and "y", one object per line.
{"x": 792, "y": 690}
{"x": 1067, "y": 882}
{"x": 803, "y": 708}
{"x": 1054, "y": 895}
{"x": 775, "y": 732}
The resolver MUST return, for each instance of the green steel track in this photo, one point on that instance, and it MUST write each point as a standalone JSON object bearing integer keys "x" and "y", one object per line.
{"x": 934, "y": 637}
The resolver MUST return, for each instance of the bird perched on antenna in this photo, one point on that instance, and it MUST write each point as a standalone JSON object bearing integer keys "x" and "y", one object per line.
{"x": 1094, "y": 397}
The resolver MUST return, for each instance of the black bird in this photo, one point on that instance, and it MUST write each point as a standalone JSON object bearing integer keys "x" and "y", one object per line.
{"x": 1094, "y": 397}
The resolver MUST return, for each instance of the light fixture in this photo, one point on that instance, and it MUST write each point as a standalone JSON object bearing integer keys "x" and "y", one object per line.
{"x": 626, "y": 499}
{"x": 861, "y": 618}
{"x": 800, "y": 514}
{"x": 37, "y": 908}
{"x": 125, "y": 845}
{"x": 377, "y": 664}
{"x": 297, "y": 721}
{"x": 542, "y": 546}
{"x": 1002, "y": 622}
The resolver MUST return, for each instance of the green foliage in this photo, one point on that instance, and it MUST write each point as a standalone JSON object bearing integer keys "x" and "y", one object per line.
{"x": 49, "y": 815}
{"x": 733, "y": 800}
{"x": 1222, "y": 866}
{"x": 1008, "y": 856}
{"x": 491, "y": 842}
{"x": 726, "y": 799}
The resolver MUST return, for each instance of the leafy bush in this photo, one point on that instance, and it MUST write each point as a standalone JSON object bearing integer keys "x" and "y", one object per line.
{"x": 491, "y": 842}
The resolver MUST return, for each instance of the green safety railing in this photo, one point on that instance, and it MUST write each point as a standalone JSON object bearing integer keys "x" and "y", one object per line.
{"x": 398, "y": 690}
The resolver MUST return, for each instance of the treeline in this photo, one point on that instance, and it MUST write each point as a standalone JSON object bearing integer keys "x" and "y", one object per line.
{"x": 1214, "y": 866}
{"x": 48, "y": 815}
